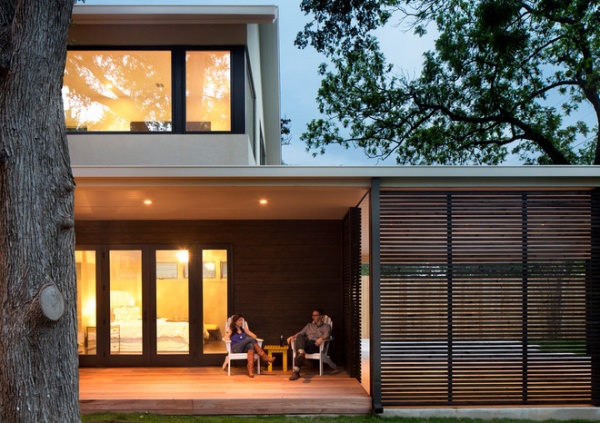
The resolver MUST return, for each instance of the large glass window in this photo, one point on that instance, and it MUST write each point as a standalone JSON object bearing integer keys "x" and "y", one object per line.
{"x": 144, "y": 90}
{"x": 118, "y": 91}
{"x": 208, "y": 90}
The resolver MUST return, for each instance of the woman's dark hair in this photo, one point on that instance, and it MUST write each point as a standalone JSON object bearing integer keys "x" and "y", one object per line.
{"x": 234, "y": 319}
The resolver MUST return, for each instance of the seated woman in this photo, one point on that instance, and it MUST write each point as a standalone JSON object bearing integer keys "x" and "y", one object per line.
{"x": 244, "y": 340}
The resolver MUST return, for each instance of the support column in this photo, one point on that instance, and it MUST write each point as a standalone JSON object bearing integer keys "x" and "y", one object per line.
{"x": 376, "y": 297}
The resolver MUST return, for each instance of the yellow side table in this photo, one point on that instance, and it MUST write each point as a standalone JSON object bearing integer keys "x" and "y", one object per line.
{"x": 270, "y": 349}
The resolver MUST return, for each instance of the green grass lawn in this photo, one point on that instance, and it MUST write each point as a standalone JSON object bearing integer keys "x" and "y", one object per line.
{"x": 153, "y": 418}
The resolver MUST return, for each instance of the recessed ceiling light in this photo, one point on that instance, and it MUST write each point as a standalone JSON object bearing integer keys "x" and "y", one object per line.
{"x": 147, "y": 202}
{"x": 263, "y": 201}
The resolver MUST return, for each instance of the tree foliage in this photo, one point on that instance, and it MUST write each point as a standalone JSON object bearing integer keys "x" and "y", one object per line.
{"x": 505, "y": 77}
{"x": 286, "y": 130}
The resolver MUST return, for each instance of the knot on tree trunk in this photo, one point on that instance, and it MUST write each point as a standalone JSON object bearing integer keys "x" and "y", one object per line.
{"x": 49, "y": 303}
{"x": 65, "y": 222}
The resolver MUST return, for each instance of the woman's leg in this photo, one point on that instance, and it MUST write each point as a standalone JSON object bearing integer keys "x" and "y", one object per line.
{"x": 263, "y": 354}
{"x": 244, "y": 346}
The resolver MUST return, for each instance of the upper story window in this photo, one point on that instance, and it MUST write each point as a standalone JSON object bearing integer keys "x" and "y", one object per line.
{"x": 208, "y": 91}
{"x": 164, "y": 90}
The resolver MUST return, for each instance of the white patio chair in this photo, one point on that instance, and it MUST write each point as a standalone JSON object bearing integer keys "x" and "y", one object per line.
{"x": 238, "y": 356}
{"x": 323, "y": 354}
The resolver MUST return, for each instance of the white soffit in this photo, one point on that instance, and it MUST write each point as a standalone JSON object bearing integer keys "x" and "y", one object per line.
{"x": 233, "y": 193}
{"x": 130, "y": 15}
{"x": 189, "y": 202}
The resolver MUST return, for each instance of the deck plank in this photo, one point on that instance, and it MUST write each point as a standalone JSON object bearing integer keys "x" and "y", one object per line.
{"x": 208, "y": 390}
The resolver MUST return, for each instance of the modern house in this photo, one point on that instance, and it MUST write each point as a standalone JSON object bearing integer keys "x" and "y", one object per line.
{"x": 447, "y": 286}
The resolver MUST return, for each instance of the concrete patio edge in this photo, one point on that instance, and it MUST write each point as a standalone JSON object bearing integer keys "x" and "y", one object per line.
{"x": 524, "y": 413}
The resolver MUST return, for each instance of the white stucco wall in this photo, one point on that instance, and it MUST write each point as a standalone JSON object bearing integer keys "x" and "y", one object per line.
{"x": 160, "y": 150}
{"x": 251, "y": 26}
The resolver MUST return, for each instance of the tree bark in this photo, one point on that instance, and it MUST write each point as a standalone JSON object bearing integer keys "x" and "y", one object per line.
{"x": 39, "y": 378}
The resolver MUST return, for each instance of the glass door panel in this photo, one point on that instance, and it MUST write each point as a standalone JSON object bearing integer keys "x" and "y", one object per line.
{"x": 214, "y": 295}
{"x": 85, "y": 270}
{"x": 172, "y": 302}
{"x": 126, "y": 324}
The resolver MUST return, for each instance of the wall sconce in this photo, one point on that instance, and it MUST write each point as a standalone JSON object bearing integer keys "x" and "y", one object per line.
{"x": 183, "y": 256}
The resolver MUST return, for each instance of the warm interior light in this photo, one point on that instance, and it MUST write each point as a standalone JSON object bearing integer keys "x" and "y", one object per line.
{"x": 147, "y": 202}
{"x": 183, "y": 256}
{"x": 88, "y": 312}
{"x": 263, "y": 201}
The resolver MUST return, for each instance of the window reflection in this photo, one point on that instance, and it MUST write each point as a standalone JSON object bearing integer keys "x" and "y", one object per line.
{"x": 208, "y": 91}
{"x": 117, "y": 91}
{"x": 131, "y": 91}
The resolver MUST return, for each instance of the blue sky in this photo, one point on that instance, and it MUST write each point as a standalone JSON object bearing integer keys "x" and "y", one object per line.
{"x": 299, "y": 78}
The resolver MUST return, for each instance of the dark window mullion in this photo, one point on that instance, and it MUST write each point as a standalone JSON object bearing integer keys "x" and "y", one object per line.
{"x": 178, "y": 95}
{"x": 238, "y": 101}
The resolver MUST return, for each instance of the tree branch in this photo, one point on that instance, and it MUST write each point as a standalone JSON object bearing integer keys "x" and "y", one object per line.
{"x": 550, "y": 87}
{"x": 528, "y": 132}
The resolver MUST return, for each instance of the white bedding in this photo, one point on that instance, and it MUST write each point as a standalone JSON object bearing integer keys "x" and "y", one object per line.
{"x": 126, "y": 333}
{"x": 127, "y": 336}
{"x": 164, "y": 329}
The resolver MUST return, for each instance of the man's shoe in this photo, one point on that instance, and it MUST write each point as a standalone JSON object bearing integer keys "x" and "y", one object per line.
{"x": 295, "y": 375}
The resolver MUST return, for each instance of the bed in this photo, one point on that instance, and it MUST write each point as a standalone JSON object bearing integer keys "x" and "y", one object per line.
{"x": 126, "y": 332}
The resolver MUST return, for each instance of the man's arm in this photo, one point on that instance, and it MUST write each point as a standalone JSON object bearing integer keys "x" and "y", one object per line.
{"x": 302, "y": 332}
{"x": 324, "y": 334}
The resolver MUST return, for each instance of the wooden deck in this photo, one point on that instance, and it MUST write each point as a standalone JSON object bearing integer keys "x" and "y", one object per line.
{"x": 209, "y": 391}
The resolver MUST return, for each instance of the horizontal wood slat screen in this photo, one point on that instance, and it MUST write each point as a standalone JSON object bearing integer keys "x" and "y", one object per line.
{"x": 352, "y": 289}
{"x": 483, "y": 298}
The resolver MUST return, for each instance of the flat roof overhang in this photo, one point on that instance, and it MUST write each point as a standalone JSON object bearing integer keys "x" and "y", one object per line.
{"x": 176, "y": 14}
{"x": 293, "y": 193}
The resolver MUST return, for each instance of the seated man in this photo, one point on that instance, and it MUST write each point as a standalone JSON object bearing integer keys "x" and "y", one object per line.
{"x": 308, "y": 340}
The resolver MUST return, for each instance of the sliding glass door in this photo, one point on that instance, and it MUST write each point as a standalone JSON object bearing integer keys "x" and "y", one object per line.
{"x": 126, "y": 303}
{"x": 214, "y": 299}
{"x": 152, "y": 305}
{"x": 172, "y": 302}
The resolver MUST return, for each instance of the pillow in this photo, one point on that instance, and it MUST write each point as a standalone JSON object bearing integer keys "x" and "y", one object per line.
{"x": 126, "y": 314}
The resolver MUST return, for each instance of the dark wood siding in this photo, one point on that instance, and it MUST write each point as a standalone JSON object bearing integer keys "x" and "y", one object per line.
{"x": 281, "y": 270}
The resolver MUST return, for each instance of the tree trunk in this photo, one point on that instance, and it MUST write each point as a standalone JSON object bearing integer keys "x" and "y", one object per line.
{"x": 39, "y": 378}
